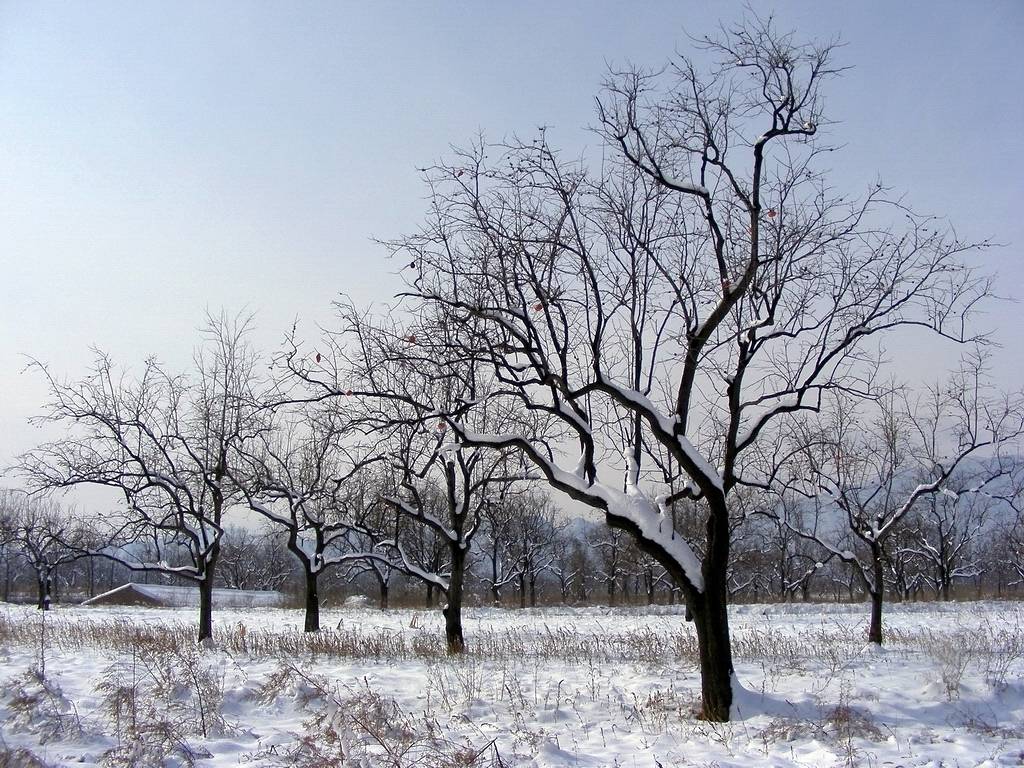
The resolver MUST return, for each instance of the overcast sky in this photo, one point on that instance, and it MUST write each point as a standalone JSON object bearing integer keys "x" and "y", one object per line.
{"x": 158, "y": 159}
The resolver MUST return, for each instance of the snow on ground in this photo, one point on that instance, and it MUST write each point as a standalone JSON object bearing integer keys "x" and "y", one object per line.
{"x": 545, "y": 687}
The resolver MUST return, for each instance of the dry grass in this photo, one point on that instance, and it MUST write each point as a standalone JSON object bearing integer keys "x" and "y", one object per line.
{"x": 38, "y": 704}
{"x": 20, "y": 758}
{"x": 356, "y": 726}
{"x": 163, "y": 694}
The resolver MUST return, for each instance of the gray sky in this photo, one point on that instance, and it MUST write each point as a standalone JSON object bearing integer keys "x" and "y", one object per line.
{"x": 158, "y": 159}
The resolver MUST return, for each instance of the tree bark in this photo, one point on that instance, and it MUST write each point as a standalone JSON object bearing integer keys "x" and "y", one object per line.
{"x": 312, "y": 603}
{"x": 711, "y": 620}
{"x": 875, "y": 629}
{"x": 877, "y": 592}
{"x": 453, "y": 610}
{"x": 43, "y": 583}
{"x": 206, "y": 607}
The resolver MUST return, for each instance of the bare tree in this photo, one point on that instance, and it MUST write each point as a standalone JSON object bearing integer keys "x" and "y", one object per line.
{"x": 253, "y": 558}
{"x": 610, "y": 561}
{"x": 535, "y": 532}
{"x": 570, "y": 565}
{"x": 402, "y": 389}
{"x": 301, "y": 476}
{"x": 44, "y": 535}
{"x": 499, "y": 565}
{"x": 163, "y": 441}
{"x": 522, "y": 532}
{"x": 873, "y": 463}
{"x": 705, "y": 281}
{"x": 946, "y": 535}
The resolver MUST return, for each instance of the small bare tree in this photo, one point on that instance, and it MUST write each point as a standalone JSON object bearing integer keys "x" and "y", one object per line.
{"x": 253, "y": 558}
{"x": 44, "y": 535}
{"x": 871, "y": 464}
{"x": 301, "y": 476}
{"x": 163, "y": 441}
{"x": 946, "y": 535}
{"x": 403, "y": 390}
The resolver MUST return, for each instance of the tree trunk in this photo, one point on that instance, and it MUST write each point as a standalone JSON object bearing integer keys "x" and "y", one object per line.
{"x": 206, "y": 607}
{"x": 206, "y": 594}
{"x": 875, "y": 630}
{"x": 495, "y": 589}
{"x": 708, "y": 608}
{"x": 711, "y": 620}
{"x": 43, "y": 584}
{"x": 430, "y": 595}
{"x": 312, "y": 603}
{"x": 877, "y": 592}
{"x": 385, "y": 590}
{"x": 533, "y": 591}
{"x": 453, "y": 610}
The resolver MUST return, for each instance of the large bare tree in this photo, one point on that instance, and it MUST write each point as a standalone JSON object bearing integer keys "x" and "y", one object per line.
{"x": 670, "y": 308}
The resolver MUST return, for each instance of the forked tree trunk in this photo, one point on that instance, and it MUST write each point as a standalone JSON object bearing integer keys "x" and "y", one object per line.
{"x": 708, "y": 609}
{"x": 385, "y": 590}
{"x": 312, "y": 623}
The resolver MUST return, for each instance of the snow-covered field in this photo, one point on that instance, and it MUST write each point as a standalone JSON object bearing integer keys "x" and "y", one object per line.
{"x": 546, "y": 687}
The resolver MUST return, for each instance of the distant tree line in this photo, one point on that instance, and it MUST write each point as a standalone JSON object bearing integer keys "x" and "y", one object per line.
{"x": 946, "y": 548}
